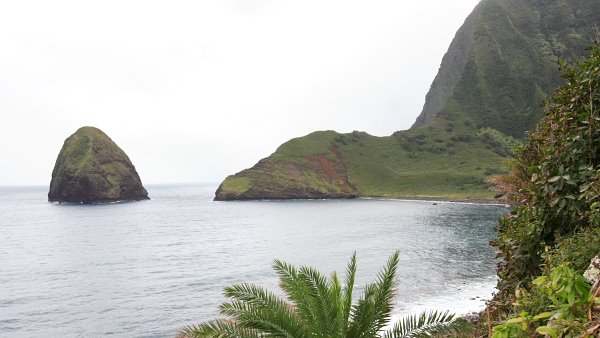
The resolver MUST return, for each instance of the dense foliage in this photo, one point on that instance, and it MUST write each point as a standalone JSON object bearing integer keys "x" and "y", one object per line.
{"x": 557, "y": 305}
{"x": 320, "y": 307}
{"x": 555, "y": 178}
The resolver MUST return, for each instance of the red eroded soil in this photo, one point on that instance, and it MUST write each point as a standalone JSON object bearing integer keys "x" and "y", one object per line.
{"x": 328, "y": 168}
{"x": 294, "y": 172}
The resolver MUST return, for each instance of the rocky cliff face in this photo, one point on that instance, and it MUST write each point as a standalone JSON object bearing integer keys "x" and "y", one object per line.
{"x": 453, "y": 64}
{"x": 92, "y": 168}
{"x": 502, "y": 62}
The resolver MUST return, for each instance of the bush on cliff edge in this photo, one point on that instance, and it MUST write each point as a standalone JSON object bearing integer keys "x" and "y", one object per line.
{"x": 555, "y": 181}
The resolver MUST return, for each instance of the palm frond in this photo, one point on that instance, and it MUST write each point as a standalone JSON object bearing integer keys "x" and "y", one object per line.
{"x": 373, "y": 310}
{"x": 298, "y": 291}
{"x": 317, "y": 306}
{"x": 428, "y": 324}
{"x": 361, "y": 313}
{"x": 217, "y": 329}
{"x": 253, "y": 294}
{"x": 337, "y": 327}
{"x": 264, "y": 320}
{"x": 347, "y": 296}
{"x": 255, "y": 307}
{"x": 325, "y": 310}
{"x": 384, "y": 295}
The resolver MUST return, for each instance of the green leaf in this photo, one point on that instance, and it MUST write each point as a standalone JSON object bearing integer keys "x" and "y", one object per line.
{"x": 543, "y": 315}
{"x": 428, "y": 324}
{"x": 546, "y": 330}
{"x": 515, "y": 320}
{"x": 571, "y": 298}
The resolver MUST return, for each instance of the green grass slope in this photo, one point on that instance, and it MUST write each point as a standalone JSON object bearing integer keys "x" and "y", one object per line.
{"x": 307, "y": 167}
{"x": 488, "y": 92}
{"x": 435, "y": 162}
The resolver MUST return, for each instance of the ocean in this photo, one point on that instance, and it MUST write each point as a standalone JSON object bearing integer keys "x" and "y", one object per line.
{"x": 149, "y": 268}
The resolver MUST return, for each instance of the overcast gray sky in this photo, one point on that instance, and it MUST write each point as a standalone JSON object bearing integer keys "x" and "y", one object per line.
{"x": 196, "y": 90}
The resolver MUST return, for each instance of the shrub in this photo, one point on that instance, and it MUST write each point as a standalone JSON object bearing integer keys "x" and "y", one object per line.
{"x": 578, "y": 250}
{"x": 555, "y": 178}
{"x": 557, "y": 306}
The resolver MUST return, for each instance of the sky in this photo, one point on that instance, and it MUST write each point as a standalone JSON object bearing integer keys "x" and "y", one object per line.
{"x": 194, "y": 91}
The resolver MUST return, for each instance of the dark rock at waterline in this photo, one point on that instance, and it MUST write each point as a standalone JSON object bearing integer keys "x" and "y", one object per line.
{"x": 472, "y": 317}
{"x": 91, "y": 168}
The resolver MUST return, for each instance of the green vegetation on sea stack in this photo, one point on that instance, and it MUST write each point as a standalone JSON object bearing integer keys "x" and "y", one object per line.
{"x": 486, "y": 95}
{"x": 92, "y": 168}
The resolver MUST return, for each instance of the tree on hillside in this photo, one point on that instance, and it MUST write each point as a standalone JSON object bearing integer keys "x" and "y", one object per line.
{"x": 317, "y": 306}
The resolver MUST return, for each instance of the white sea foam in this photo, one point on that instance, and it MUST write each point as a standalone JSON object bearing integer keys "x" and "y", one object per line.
{"x": 459, "y": 299}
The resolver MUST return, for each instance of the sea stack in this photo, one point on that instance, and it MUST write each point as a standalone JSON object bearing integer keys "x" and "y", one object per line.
{"x": 91, "y": 168}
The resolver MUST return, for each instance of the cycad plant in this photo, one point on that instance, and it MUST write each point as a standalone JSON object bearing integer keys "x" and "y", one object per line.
{"x": 318, "y": 306}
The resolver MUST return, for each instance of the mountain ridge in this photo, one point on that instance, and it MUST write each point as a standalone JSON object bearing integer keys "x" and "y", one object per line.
{"x": 488, "y": 91}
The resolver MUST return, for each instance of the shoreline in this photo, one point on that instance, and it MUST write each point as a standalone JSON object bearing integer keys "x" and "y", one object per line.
{"x": 440, "y": 200}
{"x": 460, "y": 299}
{"x": 481, "y": 201}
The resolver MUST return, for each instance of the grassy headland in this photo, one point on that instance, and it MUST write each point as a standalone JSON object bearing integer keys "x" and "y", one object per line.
{"x": 486, "y": 95}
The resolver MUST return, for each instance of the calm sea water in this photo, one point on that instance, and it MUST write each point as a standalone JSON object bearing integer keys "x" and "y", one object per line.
{"x": 146, "y": 269}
